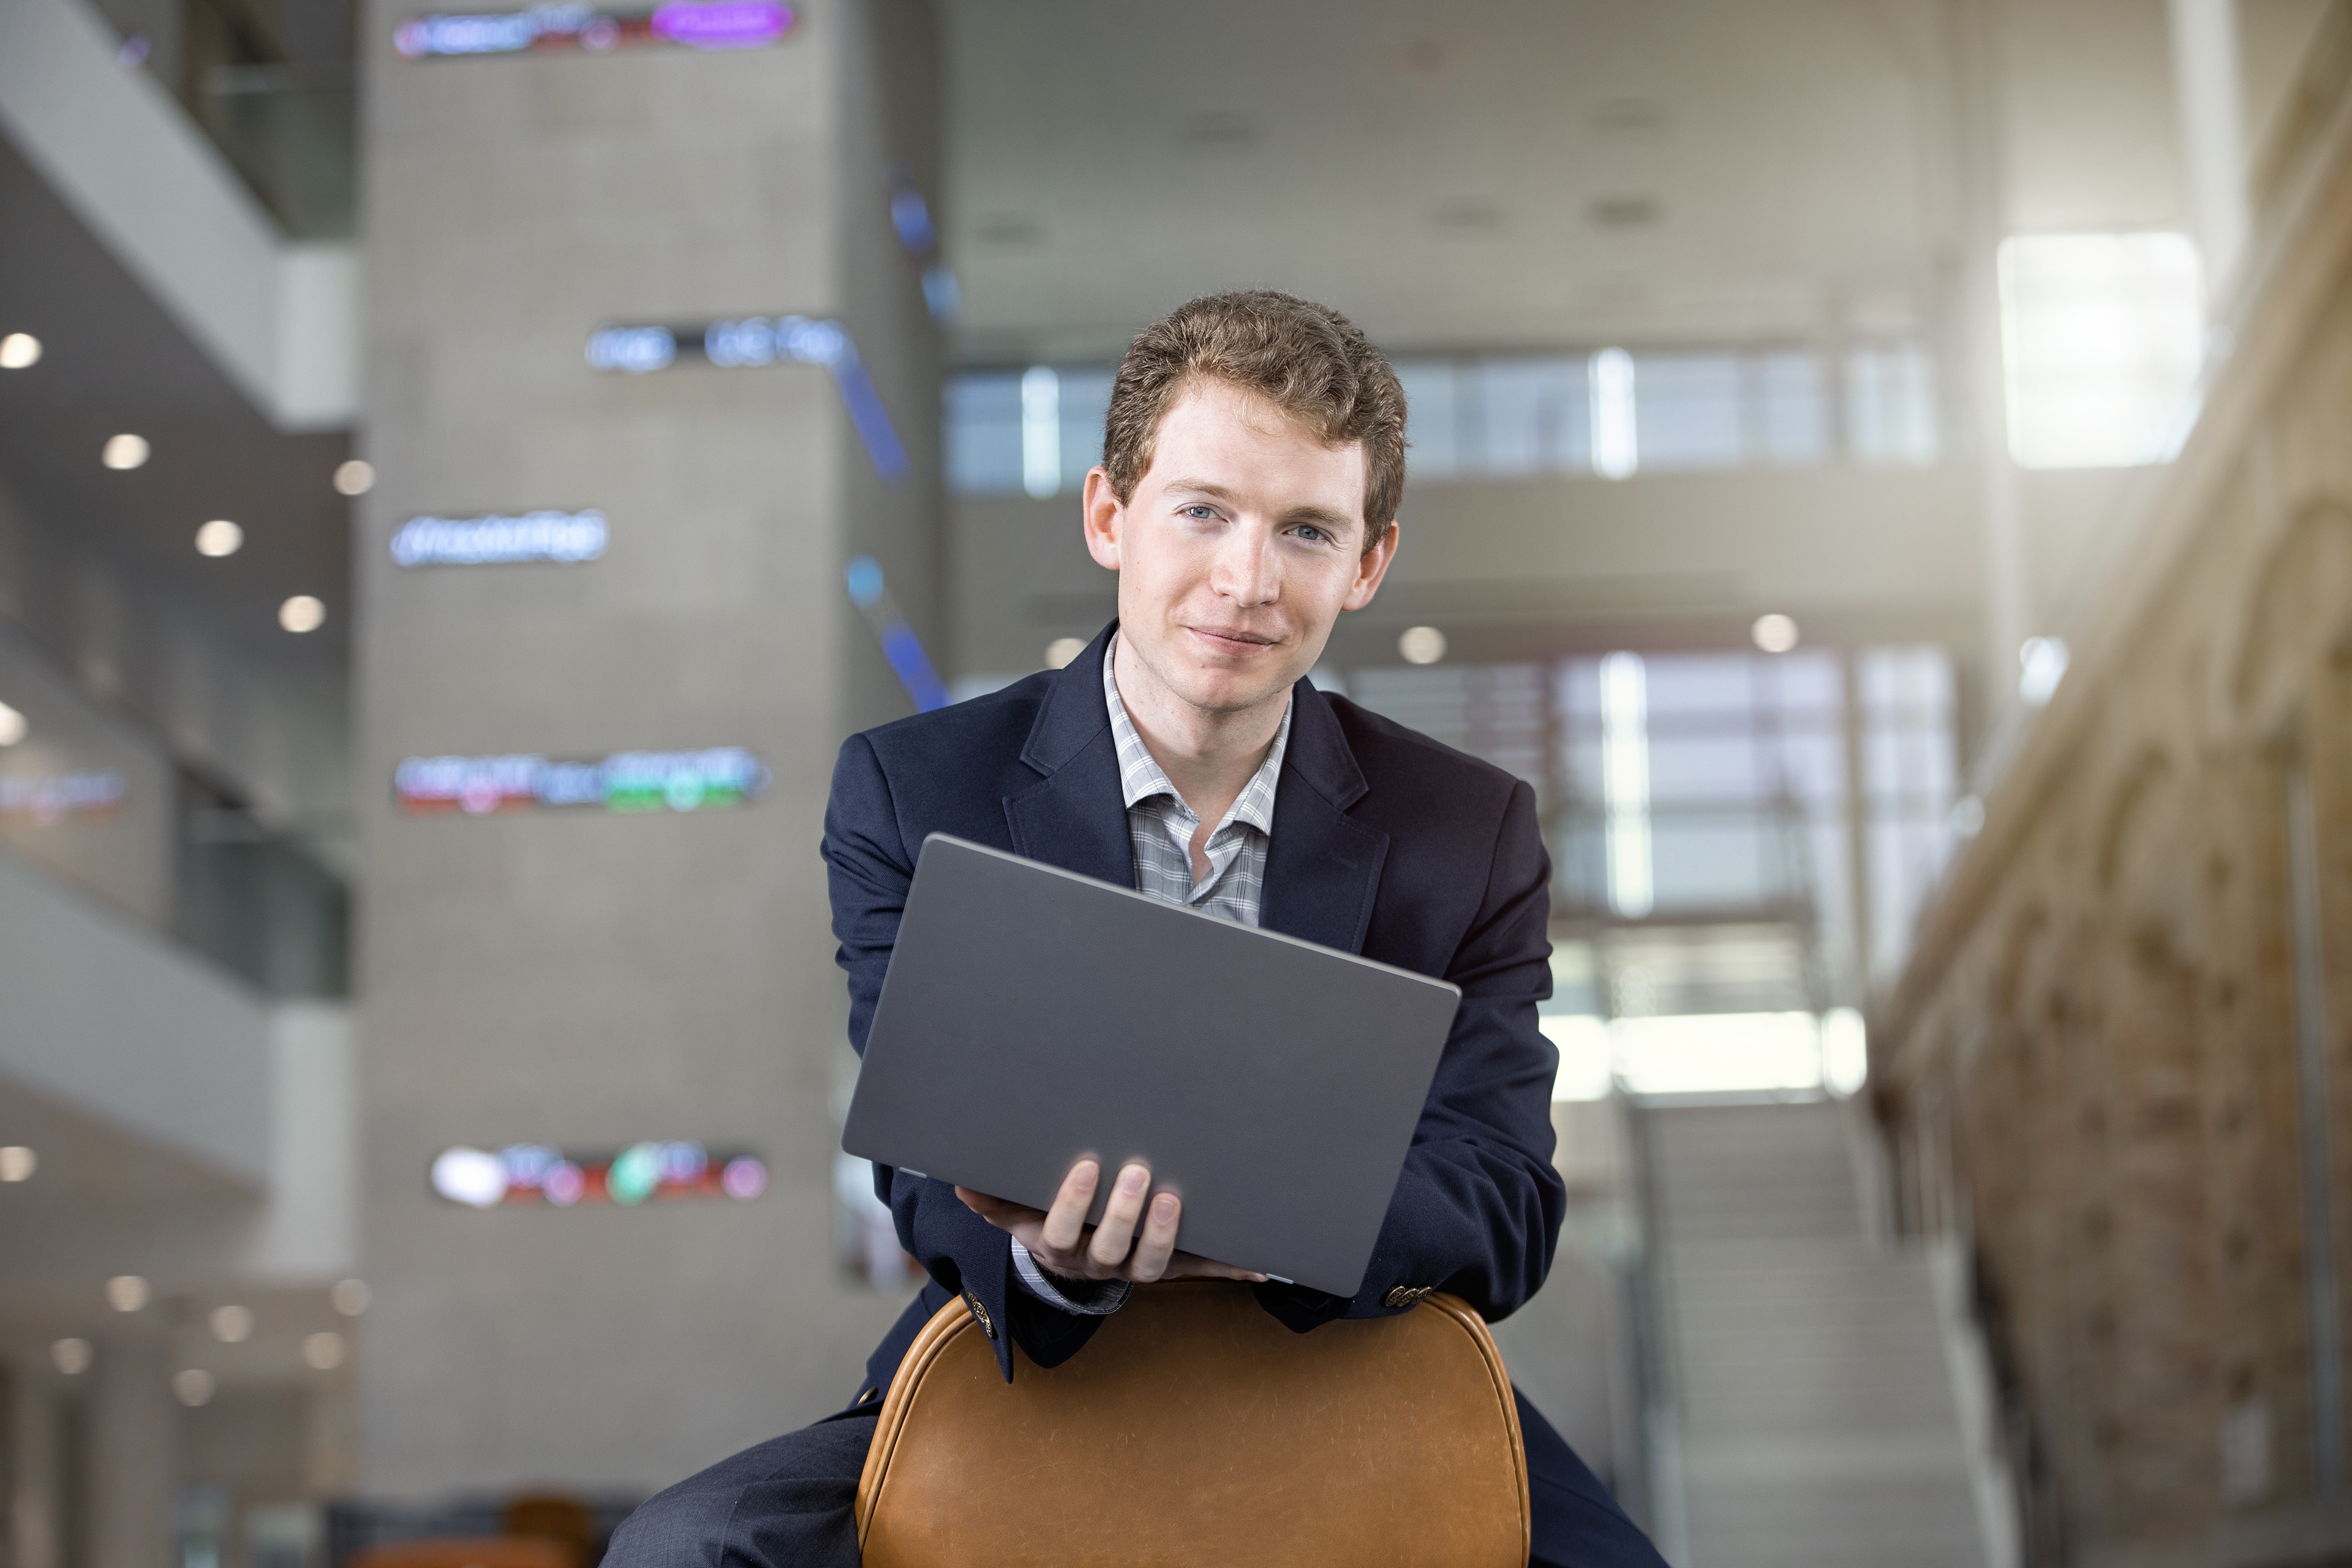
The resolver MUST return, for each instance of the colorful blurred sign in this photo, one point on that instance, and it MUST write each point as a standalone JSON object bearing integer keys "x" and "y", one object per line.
{"x": 596, "y": 29}
{"x": 522, "y": 1173}
{"x": 498, "y": 539}
{"x": 743, "y": 342}
{"x": 626, "y": 781}
{"x": 50, "y": 798}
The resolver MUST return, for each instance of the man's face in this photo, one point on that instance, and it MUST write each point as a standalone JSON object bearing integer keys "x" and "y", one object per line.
{"x": 1243, "y": 542}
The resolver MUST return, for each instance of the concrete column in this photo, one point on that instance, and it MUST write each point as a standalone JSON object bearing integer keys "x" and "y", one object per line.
{"x": 2212, "y": 97}
{"x": 569, "y": 974}
{"x": 132, "y": 1462}
{"x": 37, "y": 1471}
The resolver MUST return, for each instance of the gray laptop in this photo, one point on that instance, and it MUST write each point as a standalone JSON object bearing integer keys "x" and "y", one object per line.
{"x": 1032, "y": 1016}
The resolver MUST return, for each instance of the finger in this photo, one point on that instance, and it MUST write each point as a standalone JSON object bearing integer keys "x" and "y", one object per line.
{"x": 1109, "y": 1249}
{"x": 1158, "y": 1243}
{"x": 1066, "y": 1222}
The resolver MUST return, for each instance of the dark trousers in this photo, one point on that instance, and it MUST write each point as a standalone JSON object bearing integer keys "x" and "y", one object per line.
{"x": 791, "y": 1503}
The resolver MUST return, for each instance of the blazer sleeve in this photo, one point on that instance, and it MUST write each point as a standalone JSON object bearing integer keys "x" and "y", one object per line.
{"x": 1478, "y": 1205}
{"x": 868, "y": 867}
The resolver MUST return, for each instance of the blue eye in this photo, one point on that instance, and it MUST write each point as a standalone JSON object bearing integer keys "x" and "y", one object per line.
{"x": 1200, "y": 511}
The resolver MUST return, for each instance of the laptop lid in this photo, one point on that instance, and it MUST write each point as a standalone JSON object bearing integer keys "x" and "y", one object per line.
{"x": 1032, "y": 1016}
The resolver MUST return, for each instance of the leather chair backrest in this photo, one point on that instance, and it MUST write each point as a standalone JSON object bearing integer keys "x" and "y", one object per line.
{"x": 468, "y": 1552}
{"x": 1195, "y": 1429}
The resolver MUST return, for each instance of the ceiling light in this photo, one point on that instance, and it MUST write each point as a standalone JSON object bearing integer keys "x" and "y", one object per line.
{"x": 323, "y": 1350}
{"x": 19, "y": 351}
{"x": 72, "y": 1356}
{"x": 17, "y": 1164}
{"x": 1061, "y": 650}
{"x": 219, "y": 537}
{"x": 1774, "y": 632}
{"x": 193, "y": 1387}
{"x": 127, "y": 1292}
{"x": 355, "y": 477}
{"x": 2041, "y": 665}
{"x": 1422, "y": 645}
{"x": 231, "y": 1324}
{"x": 12, "y": 725}
{"x": 124, "y": 451}
{"x": 351, "y": 1297}
{"x": 301, "y": 612}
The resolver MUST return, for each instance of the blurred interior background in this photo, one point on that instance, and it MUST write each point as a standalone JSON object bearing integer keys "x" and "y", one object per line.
{"x": 1882, "y": 469}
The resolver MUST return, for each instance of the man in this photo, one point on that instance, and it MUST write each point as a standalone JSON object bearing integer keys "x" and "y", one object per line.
{"x": 1253, "y": 463}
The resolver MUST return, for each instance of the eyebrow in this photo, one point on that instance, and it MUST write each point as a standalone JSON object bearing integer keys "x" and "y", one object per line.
{"x": 1336, "y": 522}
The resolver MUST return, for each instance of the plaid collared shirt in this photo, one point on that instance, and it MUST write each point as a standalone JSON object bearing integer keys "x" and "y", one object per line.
{"x": 1160, "y": 826}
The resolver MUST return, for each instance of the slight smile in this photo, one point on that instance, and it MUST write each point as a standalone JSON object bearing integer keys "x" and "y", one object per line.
{"x": 1232, "y": 641}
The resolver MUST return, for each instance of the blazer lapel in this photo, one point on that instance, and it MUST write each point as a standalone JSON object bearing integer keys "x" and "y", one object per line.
{"x": 1075, "y": 817}
{"x": 1322, "y": 866}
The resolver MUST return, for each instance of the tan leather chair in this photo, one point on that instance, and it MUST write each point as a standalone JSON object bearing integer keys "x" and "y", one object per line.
{"x": 1195, "y": 1429}
{"x": 485, "y": 1552}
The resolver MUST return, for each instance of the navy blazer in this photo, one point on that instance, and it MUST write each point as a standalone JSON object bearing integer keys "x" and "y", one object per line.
{"x": 1385, "y": 843}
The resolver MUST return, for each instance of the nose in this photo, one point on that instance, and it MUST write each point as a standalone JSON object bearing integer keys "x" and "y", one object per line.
{"x": 1246, "y": 570}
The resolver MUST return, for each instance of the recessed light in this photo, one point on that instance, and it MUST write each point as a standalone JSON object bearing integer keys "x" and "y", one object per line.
{"x": 127, "y": 1292}
{"x": 219, "y": 537}
{"x": 323, "y": 1350}
{"x": 17, "y": 1162}
{"x": 1061, "y": 650}
{"x": 355, "y": 477}
{"x": 194, "y": 1386}
{"x": 302, "y": 612}
{"x": 349, "y": 1297}
{"x": 1422, "y": 645}
{"x": 231, "y": 1324}
{"x": 19, "y": 351}
{"x": 72, "y": 1356}
{"x": 124, "y": 451}
{"x": 12, "y": 725}
{"x": 1774, "y": 632}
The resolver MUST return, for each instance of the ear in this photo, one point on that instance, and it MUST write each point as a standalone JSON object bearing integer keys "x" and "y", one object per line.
{"x": 1369, "y": 570}
{"x": 1103, "y": 515}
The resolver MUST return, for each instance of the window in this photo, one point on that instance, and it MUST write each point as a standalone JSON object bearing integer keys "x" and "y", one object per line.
{"x": 1513, "y": 416}
{"x": 2101, "y": 340}
{"x": 1890, "y": 405}
{"x": 1909, "y": 778}
{"x": 1702, "y": 811}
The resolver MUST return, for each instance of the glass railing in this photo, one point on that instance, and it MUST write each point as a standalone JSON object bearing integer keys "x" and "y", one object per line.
{"x": 271, "y": 89}
{"x": 291, "y": 132}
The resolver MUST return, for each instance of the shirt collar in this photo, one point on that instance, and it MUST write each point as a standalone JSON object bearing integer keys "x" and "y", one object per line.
{"x": 1140, "y": 776}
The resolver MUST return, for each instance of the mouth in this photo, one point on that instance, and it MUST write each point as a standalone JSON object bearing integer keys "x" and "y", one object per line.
{"x": 1233, "y": 639}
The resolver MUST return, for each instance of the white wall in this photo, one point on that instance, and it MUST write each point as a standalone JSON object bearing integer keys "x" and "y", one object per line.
{"x": 100, "y": 1013}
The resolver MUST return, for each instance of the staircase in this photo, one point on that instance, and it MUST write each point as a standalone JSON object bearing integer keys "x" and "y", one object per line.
{"x": 1816, "y": 1417}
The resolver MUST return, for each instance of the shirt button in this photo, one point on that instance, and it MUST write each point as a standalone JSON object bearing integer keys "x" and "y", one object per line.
{"x": 980, "y": 1314}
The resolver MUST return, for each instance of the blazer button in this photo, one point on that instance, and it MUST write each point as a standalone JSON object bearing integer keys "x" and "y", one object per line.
{"x": 1407, "y": 1295}
{"x": 980, "y": 1314}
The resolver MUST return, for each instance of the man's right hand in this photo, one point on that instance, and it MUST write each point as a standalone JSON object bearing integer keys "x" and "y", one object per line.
{"x": 1062, "y": 1243}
